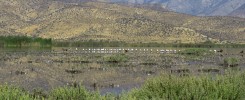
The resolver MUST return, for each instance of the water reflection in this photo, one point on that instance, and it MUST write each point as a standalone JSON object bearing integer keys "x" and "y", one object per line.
{"x": 94, "y": 67}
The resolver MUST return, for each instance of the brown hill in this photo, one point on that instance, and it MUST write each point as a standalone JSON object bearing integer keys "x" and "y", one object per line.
{"x": 101, "y": 21}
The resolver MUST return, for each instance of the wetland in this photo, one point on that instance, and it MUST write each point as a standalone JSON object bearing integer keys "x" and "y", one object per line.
{"x": 110, "y": 69}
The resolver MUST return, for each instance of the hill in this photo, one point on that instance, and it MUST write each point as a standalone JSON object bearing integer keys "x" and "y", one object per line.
{"x": 239, "y": 12}
{"x": 193, "y": 7}
{"x": 69, "y": 21}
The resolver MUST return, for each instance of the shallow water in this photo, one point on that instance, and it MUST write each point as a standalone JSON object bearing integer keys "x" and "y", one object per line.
{"x": 54, "y": 67}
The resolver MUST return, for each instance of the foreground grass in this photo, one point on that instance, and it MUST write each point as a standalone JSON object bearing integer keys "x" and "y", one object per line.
{"x": 24, "y": 41}
{"x": 226, "y": 87}
{"x": 230, "y": 86}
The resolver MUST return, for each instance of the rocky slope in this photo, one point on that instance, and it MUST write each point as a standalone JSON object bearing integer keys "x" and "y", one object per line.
{"x": 193, "y": 7}
{"x": 101, "y": 21}
{"x": 239, "y": 12}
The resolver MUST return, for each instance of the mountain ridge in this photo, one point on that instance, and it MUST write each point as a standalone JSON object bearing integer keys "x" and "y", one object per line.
{"x": 239, "y": 12}
{"x": 102, "y": 21}
{"x": 193, "y": 7}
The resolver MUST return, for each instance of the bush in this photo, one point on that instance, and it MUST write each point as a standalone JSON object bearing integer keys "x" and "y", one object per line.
{"x": 13, "y": 93}
{"x": 19, "y": 41}
{"x": 73, "y": 93}
{"x": 169, "y": 87}
{"x": 195, "y": 52}
{"x": 231, "y": 62}
{"x": 117, "y": 58}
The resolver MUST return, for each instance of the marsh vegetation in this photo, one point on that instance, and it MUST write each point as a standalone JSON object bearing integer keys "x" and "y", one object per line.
{"x": 141, "y": 72}
{"x": 203, "y": 87}
{"x": 24, "y": 41}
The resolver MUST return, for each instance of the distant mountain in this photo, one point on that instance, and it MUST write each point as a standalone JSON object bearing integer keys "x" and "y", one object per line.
{"x": 239, "y": 12}
{"x": 72, "y": 21}
{"x": 193, "y": 7}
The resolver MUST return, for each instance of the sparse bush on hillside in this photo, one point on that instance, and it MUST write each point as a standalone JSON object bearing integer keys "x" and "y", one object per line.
{"x": 73, "y": 93}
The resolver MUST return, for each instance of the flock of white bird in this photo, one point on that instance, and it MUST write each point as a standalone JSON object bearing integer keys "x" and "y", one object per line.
{"x": 126, "y": 50}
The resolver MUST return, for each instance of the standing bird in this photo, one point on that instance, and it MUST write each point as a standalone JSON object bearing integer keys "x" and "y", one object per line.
{"x": 242, "y": 51}
{"x": 221, "y": 50}
{"x": 125, "y": 51}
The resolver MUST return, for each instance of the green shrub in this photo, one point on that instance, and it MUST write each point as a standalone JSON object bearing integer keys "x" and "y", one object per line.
{"x": 195, "y": 53}
{"x": 231, "y": 62}
{"x": 168, "y": 87}
{"x": 72, "y": 93}
{"x": 13, "y": 93}
{"x": 117, "y": 58}
{"x": 19, "y": 41}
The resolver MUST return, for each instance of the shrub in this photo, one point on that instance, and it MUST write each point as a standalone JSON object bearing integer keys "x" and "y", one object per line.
{"x": 195, "y": 53}
{"x": 116, "y": 58}
{"x": 231, "y": 62}
{"x": 169, "y": 87}
{"x": 19, "y": 41}
{"x": 72, "y": 93}
{"x": 13, "y": 93}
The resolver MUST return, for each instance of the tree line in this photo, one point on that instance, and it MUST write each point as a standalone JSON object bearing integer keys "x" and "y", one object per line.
{"x": 23, "y": 41}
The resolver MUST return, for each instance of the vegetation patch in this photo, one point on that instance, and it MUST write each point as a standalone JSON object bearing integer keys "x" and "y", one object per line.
{"x": 195, "y": 53}
{"x": 170, "y": 87}
{"x": 231, "y": 62}
{"x": 209, "y": 70}
{"x": 117, "y": 58}
{"x": 73, "y": 93}
{"x": 180, "y": 71}
{"x": 73, "y": 71}
{"x": 24, "y": 41}
{"x": 149, "y": 63}
{"x": 13, "y": 93}
{"x": 107, "y": 43}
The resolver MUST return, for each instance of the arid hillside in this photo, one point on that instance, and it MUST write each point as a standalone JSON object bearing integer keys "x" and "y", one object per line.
{"x": 239, "y": 12}
{"x": 101, "y": 21}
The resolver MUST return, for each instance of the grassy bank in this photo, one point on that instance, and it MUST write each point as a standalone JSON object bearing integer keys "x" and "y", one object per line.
{"x": 230, "y": 86}
{"x": 24, "y": 41}
{"x": 104, "y": 43}
{"x": 227, "y": 87}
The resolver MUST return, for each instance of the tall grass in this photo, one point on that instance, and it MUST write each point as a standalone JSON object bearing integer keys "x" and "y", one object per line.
{"x": 13, "y": 93}
{"x": 72, "y": 93}
{"x": 226, "y": 87}
{"x": 20, "y": 41}
{"x": 117, "y": 58}
{"x": 231, "y": 62}
{"x": 196, "y": 53}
